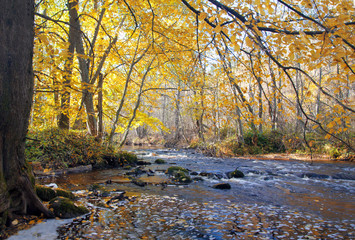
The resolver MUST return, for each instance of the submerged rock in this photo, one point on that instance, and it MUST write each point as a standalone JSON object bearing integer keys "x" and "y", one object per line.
{"x": 121, "y": 196}
{"x": 65, "y": 208}
{"x": 211, "y": 175}
{"x": 206, "y": 174}
{"x": 139, "y": 182}
{"x": 343, "y": 176}
{"x": 199, "y": 179}
{"x": 313, "y": 175}
{"x": 140, "y": 163}
{"x": 136, "y": 172}
{"x": 222, "y": 186}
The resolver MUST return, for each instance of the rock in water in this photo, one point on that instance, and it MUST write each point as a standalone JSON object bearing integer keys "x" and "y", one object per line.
{"x": 65, "y": 208}
{"x": 222, "y": 186}
{"x": 45, "y": 193}
{"x": 235, "y": 174}
{"x": 65, "y": 193}
{"x": 160, "y": 161}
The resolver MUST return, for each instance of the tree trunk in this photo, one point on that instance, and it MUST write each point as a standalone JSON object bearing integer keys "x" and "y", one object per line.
{"x": 177, "y": 134}
{"x": 318, "y": 107}
{"x": 17, "y": 195}
{"x": 64, "y": 118}
{"x": 239, "y": 131}
{"x": 273, "y": 106}
{"x": 299, "y": 88}
{"x": 137, "y": 105}
{"x": 260, "y": 99}
{"x": 87, "y": 97}
{"x": 99, "y": 107}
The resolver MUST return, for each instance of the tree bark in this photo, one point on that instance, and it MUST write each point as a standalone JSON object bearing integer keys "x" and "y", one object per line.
{"x": 177, "y": 134}
{"x": 88, "y": 95}
{"x": 99, "y": 107}
{"x": 64, "y": 117}
{"x": 17, "y": 195}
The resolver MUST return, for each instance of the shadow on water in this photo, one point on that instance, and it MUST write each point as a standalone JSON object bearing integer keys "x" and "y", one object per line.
{"x": 275, "y": 199}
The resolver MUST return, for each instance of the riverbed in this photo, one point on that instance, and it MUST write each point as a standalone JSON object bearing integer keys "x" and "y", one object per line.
{"x": 275, "y": 200}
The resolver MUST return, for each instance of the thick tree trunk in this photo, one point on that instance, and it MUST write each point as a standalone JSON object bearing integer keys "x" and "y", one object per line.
{"x": 87, "y": 97}
{"x": 17, "y": 195}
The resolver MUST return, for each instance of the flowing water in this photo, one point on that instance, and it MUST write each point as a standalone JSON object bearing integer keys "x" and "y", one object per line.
{"x": 275, "y": 200}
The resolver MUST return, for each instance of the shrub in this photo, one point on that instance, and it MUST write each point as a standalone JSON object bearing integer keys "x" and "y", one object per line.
{"x": 267, "y": 142}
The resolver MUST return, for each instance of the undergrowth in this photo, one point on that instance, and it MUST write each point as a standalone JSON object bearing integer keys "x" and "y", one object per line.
{"x": 57, "y": 149}
{"x": 270, "y": 142}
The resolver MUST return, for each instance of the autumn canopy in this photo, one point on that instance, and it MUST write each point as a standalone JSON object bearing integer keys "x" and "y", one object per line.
{"x": 187, "y": 65}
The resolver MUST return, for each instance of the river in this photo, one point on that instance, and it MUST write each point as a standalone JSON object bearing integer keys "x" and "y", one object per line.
{"x": 275, "y": 200}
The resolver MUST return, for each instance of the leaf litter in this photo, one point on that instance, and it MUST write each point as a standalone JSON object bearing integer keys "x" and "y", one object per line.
{"x": 164, "y": 217}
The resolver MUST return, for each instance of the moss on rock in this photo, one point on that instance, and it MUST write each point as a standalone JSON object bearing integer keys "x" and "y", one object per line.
{"x": 173, "y": 169}
{"x": 179, "y": 174}
{"x": 181, "y": 177}
{"x": 65, "y": 193}
{"x": 159, "y": 161}
{"x": 235, "y": 174}
{"x": 45, "y": 193}
{"x": 65, "y": 208}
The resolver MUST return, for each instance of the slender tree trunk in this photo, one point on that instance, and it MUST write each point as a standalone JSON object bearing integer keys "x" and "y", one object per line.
{"x": 17, "y": 195}
{"x": 177, "y": 114}
{"x": 64, "y": 118}
{"x": 56, "y": 98}
{"x": 260, "y": 99}
{"x": 137, "y": 105}
{"x": 299, "y": 86}
{"x": 202, "y": 104}
{"x": 239, "y": 116}
{"x": 99, "y": 106}
{"x": 273, "y": 106}
{"x": 318, "y": 94}
{"x": 135, "y": 60}
{"x": 226, "y": 67}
